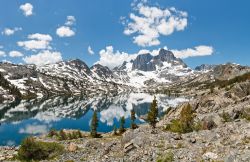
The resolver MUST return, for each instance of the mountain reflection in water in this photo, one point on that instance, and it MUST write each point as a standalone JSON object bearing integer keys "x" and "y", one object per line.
{"x": 23, "y": 118}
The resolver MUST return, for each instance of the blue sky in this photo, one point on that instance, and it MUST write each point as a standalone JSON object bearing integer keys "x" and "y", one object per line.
{"x": 221, "y": 25}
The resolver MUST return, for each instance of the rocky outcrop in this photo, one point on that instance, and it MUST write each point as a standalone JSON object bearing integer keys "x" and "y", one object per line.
{"x": 143, "y": 62}
{"x": 147, "y": 62}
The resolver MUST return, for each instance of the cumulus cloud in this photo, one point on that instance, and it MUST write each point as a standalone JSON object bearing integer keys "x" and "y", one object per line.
{"x": 65, "y": 31}
{"x": 111, "y": 58}
{"x": 149, "y": 23}
{"x": 90, "y": 51}
{"x": 15, "y": 54}
{"x": 70, "y": 20}
{"x": 36, "y": 41}
{"x": 196, "y": 51}
{"x": 27, "y": 9}
{"x": 2, "y": 54}
{"x": 9, "y": 31}
{"x": 39, "y": 36}
{"x": 43, "y": 57}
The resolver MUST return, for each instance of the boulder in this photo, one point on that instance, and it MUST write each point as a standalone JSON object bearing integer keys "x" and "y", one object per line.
{"x": 72, "y": 147}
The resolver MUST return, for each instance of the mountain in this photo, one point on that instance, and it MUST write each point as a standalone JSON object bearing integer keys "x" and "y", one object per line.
{"x": 146, "y": 69}
{"x": 63, "y": 78}
{"x": 205, "y": 67}
{"x": 74, "y": 77}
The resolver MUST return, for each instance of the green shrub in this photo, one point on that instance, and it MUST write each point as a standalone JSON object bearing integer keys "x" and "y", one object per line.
{"x": 185, "y": 123}
{"x": 52, "y": 133}
{"x": 226, "y": 117}
{"x": 168, "y": 157}
{"x": 62, "y": 135}
{"x": 79, "y": 134}
{"x": 245, "y": 114}
{"x": 197, "y": 126}
{"x": 31, "y": 149}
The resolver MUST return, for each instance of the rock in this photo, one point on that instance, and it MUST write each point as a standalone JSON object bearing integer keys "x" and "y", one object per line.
{"x": 192, "y": 140}
{"x": 229, "y": 158}
{"x": 72, "y": 147}
{"x": 177, "y": 137}
{"x": 210, "y": 156}
{"x": 237, "y": 120}
{"x": 2, "y": 158}
{"x": 128, "y": 147}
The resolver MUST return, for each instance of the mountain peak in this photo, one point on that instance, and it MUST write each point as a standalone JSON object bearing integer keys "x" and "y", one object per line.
{"x": 79, "y": 64}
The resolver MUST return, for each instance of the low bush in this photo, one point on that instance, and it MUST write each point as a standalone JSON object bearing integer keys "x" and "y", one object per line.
{"x": 62, "y": 135}
{"x": 52, "y": 133}
{"x": 31, "y": 149}
{"x": 226, "y": 117}
{"x": 245, "y": 114}
{"x": 168, "y": 157}
{"x": 185, "y": 123}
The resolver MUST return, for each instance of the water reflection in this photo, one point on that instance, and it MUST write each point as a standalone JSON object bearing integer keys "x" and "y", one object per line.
{"x": 33, "y": 117}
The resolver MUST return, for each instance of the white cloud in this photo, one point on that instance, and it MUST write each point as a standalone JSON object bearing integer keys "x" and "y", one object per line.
{"x": 34, "y": 129}
{"x": 65, "y": 31}
{"x": 9, "y": 31}
{"x": 39, "y": 36}
{"x": 90, "y": 51}
{"x": 15, "y": 54}
{"x": 44, "y": 57}
{"x": 6, "y": 61}
{"x": 2, "y": 54}
{"x": 112, "y": 59}
{"x": 70, "y": 20}
{"x": 153, "y": 52}
{"x": 197, "y": 51}
{"x": 36, "y": 41}
{"x": 27, "y": 9}
{"x": 152, "y": 22}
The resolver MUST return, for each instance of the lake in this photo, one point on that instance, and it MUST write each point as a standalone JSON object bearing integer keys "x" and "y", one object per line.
{"x": 24, "y": 118}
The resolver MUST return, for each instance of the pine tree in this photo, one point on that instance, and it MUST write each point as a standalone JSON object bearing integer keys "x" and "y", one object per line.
{"x": 115, "y": 131}
{"x": 132, "y": 117}
{"x": 94, "y": 125}
{"x": 153, "y": 113}
{"x": 122, "y": 122}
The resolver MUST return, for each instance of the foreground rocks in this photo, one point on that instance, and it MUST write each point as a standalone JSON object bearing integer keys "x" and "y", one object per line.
{"x": 7, "y": 153}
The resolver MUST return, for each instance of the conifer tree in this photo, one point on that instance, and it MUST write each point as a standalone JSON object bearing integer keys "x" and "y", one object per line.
{"x": 122, "y": 122}
{"x": 153, "y": 113}
{"x": 94, "y": 125}
{"x": 115, "y": 131}
{"x": 132, "y": 117}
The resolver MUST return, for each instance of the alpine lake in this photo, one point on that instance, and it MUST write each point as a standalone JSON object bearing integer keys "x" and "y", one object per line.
{"x": 20, "y": 119}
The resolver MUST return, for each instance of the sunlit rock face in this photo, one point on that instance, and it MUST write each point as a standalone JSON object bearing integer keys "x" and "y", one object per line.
{"x": 39, "y": 116}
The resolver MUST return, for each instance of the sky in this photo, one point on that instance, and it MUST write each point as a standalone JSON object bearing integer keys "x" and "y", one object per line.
{"x": 112, "y": 31}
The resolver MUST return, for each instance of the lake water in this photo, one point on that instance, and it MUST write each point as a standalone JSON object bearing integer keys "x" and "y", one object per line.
{"x": 24, "y": 118}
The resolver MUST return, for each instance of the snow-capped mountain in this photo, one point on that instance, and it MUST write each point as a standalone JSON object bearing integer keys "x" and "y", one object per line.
{"x": 75, "y": 77}
{"x": 147, "y": 69}
{"x": 205, "y": 67}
